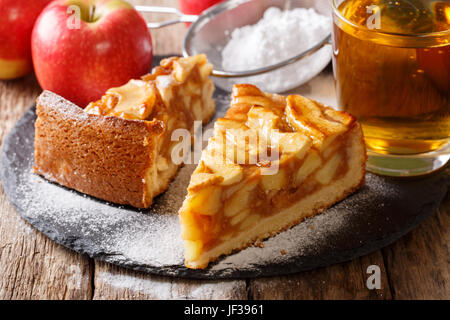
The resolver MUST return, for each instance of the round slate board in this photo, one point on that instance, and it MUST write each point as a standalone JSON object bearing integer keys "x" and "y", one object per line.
{"x": 149, "y": 240}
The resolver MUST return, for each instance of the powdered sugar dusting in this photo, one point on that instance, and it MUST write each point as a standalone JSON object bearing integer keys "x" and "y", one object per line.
{"x": 278, "y": 36}
{"x": 150, "y": 237}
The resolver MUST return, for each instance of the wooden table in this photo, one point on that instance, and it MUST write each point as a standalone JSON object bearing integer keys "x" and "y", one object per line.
{"x": 34, "y": 267}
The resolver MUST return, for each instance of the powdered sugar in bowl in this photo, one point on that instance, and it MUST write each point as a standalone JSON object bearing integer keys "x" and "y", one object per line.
{"x": 274, "y": 44}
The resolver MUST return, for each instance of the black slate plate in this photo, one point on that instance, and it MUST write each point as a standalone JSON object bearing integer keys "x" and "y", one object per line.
{"x": 149, "y": 240}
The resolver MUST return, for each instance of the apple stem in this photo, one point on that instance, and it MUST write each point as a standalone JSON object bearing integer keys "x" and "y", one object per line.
{"x": 91, "y": 13}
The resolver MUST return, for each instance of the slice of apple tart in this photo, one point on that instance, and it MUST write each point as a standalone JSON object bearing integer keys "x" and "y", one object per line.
{"x": 119, "y": 148}
{"x": 272, "y": 162}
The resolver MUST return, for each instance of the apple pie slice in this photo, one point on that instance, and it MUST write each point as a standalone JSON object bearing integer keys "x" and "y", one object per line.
{"x": 272, "y": 162}
{"x": 119, "y": 148}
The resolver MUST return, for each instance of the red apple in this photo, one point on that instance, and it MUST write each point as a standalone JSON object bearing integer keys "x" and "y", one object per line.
{"x": 80, "y": 58}
{"x": 16, "y": 22}
{"x": 196, "y": 6}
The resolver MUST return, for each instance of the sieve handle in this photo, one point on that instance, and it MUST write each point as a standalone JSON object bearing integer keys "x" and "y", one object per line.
{"x": 155, "y": 25}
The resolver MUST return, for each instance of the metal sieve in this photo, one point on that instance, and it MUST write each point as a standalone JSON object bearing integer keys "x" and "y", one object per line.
{"x": 211, "y": 31}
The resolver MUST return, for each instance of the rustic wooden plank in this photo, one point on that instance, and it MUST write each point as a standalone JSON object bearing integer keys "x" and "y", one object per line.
{"x": 341, "y": 281}
{"x": 32, "y": 266}
{"x": 418, "y": 264}
{"x": 113, "y": 282}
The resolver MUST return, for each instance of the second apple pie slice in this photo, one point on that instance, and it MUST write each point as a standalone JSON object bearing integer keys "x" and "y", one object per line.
{"x": 119, "y": 148}
{"x": 272, "y": 162}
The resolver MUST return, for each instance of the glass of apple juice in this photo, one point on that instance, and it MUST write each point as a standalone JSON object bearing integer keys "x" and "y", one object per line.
{"x": 391, "y": 65}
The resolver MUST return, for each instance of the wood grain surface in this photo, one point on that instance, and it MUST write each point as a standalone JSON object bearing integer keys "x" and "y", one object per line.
{"x": 33, "y": 267}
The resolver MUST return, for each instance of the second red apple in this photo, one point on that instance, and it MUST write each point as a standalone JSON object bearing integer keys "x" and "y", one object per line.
{"x": 196, "y": 7}
{"x": 16, "y": 22}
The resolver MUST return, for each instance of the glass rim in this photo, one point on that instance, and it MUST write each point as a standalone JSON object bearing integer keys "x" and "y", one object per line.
{"x": 400, "y": 35}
